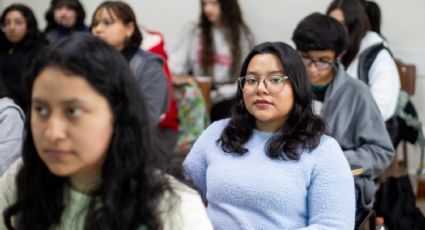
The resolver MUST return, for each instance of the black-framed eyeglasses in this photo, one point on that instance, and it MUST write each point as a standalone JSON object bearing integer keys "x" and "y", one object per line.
{"x": 320, "y": 65}
{"x": 274, "y": 83}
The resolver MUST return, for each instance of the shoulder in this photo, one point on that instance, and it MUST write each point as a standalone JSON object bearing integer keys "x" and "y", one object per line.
{"x": 327, "y": 149}
{"x": 147, "y": 56}
{"x": 217, "y": 127}
{"x": 8, "y": 109}
{"x": 184, "y": 209}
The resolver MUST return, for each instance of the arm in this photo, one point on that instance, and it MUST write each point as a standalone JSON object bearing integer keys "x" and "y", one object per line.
{"x": 154, "y": 87}
{"x": 12, "y": 126}
{"x": 195, "y": 165}
{"x": 179, "y": 55}
{"x": 188, "y": 212}
{"x": 384, "y": 83}
{"x": 373, "y": 148}
{"x": 8, "y": 189}
{"x": 331, "y": 199}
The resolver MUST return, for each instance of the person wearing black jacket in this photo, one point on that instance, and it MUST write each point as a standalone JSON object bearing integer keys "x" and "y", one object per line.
{"x": 20, "y": 43}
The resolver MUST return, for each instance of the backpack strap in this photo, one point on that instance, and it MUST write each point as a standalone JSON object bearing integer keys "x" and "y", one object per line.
{"x": 366, "y": 59}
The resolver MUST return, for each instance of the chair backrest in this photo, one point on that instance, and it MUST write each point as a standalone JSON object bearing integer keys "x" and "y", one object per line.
{"x": 407, "y": 74}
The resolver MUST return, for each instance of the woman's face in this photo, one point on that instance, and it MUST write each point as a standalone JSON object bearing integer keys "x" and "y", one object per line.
{"x": 212, "y": 10}
{"x": 108, "y": 27}
{"x": 270, "y": 107}
{"x": 15, "y": 26}
{"x": 72, "y": 126}
{"x": 65, "y": 16}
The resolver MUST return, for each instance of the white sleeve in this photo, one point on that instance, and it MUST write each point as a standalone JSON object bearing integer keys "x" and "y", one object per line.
{"x": 384, "y": 82}
{"x": 179, "y": 56}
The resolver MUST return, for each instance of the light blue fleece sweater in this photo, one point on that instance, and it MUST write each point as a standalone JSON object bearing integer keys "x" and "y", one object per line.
{"x": 254, "y": 191}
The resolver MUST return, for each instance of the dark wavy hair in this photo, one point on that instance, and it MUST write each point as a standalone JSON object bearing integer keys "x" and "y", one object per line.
{"x": 123, "y": 12}
{"x": 235, "y": 27}
{"x": 357, "y": 23}
{"x": 320, "y": 32}
{"x": 72, "y": 4}
{"x": 132, "y": 183}
{"x": 373, "y": 13}
{"x": 302, "y": 130}
{"x": 32, "y": 35}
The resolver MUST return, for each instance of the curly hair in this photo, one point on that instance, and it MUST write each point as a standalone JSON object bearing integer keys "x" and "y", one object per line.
{"x": 72, "y": 4}
{"x": 31, "y": 36}
{"x": 302, "y": 129}
{"x": 320, "y": 32}
{"x": 132, "y": 183}
{"x": 232, "y": 21}
{"x": 123, "y": 12}
{"x": 357, "y": 23}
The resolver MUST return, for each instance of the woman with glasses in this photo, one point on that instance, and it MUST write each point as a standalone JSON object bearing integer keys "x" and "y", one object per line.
{"x": 271, "y": 166}
{"x": 20, "y": 43}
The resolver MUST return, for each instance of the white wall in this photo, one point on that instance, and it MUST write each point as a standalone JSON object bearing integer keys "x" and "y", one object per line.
{"x": 403, "y": 23}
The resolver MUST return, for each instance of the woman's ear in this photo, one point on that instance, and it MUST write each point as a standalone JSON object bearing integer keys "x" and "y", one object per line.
{"x": 129, "y": 29}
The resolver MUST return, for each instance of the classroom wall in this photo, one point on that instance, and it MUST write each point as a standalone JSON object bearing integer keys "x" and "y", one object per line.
{"x": 273, "y": 20}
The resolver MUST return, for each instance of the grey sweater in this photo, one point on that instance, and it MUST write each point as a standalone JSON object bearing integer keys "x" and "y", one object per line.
{"x": 353, "y": 118}
{"x": 11, "y": 131}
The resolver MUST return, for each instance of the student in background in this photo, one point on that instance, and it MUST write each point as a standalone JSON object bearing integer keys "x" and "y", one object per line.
{"x": 346, "y": 104}
{"x": 20, "y": 43}
{"x": 270, "y": 166}
{"x": 215, "y": 48}
{"x": 88, "y": 157}
{"x": 384, "y": 80}
{"x": 11, "y": 130}
{"x": 64, "y": 17}
{"x": 115, "y": 23}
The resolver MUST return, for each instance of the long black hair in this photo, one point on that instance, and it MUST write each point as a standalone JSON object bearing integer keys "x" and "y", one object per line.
{"x": 72, "y": 4}
{"x": 132, "y": 183}
{"x": 302, "y": 129}
{"x": 356, "y": 22}
{"x": 31, "y": 36}
{"x": 234, "y": 27}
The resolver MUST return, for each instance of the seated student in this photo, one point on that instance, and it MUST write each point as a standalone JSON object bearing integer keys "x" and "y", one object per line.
{"x": 88, "y": 159}
{"x": 115, "y": 23}
{"x": 20, "y": 43}
{"x": 346, "y": 104}
{"x": 11, "y": 130}
{"x": 270, "y": 166}
{"x": 383, "y": 78}
{"x": 64, "y": 17}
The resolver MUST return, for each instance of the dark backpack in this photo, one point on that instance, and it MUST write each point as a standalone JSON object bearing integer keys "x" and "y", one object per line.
{"x": 397, "y": 127}
{"x": 395, "y": 201}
